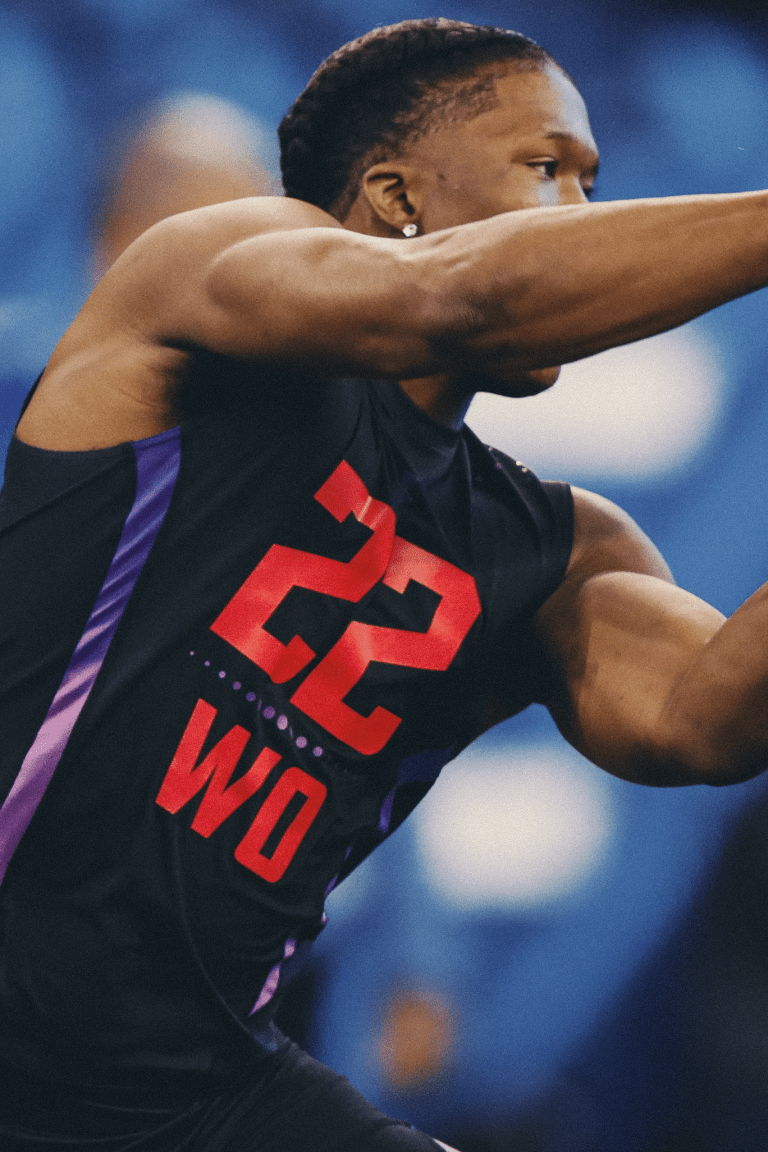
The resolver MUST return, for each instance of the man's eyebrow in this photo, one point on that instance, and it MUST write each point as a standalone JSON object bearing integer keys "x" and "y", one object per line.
{"x": 569, "y": 138}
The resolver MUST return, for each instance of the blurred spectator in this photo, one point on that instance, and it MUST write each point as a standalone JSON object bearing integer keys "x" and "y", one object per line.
{"x": 192, "y": 151}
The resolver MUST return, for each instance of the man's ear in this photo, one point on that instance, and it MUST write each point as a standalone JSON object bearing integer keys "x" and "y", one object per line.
{"x": 393, "y": 191}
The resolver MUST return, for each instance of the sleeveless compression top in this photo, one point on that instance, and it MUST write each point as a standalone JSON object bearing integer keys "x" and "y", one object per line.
{"x": 233, "y": 657}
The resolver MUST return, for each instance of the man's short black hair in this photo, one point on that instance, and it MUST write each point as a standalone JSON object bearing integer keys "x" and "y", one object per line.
{"x": 386, "y": 89}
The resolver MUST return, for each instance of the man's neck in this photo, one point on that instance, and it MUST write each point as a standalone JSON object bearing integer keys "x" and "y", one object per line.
{"x": 445, "y": 400}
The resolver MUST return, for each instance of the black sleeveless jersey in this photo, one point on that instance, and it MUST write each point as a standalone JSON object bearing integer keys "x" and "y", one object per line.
{"x": 233, "y": 657}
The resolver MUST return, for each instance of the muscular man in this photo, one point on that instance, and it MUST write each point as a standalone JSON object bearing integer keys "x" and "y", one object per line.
{"x": 261, "y": 583}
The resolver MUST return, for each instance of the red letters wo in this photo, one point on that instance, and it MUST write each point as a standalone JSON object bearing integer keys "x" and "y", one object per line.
{"x": 248, "y": 851}
{"x": 185, "y": 778}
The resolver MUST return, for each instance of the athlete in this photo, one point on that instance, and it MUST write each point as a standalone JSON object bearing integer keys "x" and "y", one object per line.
{"x": 261, "y": 583}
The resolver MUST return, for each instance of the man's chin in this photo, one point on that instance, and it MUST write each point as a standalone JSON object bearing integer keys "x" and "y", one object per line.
{"x": 542, "y": 378}
{"x": 526, "y": 384}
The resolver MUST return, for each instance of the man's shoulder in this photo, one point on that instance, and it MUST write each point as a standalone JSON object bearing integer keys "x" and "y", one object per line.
{"x": 115, "y": 374}
{"x": 551, "y": 499}
{"x": 607, "y": 538}
{"x": 172, "y": 259}
{"x": 233, "y": 221}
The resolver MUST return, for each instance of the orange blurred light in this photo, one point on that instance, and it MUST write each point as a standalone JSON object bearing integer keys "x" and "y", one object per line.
{"x": 416, "y": 1039}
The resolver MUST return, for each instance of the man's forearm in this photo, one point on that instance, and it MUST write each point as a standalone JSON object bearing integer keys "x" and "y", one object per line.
{"x": 546, "y": 286}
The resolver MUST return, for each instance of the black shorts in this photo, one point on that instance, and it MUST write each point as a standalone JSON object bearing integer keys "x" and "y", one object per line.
{"x": 291, "y": 1104}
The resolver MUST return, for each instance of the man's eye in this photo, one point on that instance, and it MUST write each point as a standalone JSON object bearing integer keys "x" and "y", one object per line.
{"x": 547, "y": 168}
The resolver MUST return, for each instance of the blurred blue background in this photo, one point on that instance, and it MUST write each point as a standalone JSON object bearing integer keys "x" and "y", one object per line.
{"x": 543, "y": 959}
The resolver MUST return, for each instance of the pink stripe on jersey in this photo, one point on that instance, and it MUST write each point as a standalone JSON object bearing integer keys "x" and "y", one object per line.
{"x": 157, "y": 466}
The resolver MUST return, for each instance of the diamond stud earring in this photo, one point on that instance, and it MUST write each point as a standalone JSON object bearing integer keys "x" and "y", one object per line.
{"x": 410, "y": 230}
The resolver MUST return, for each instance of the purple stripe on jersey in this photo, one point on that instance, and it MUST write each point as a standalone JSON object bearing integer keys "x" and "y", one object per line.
{"x": 157, "y": 466}
{"x": 332, "y": 885}
{"x": 386, "y": 812}
{"x": 272, "y": 981}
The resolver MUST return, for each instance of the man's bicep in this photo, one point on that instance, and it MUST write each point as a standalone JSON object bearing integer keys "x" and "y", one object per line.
{"x": 616, "y": 638}
{"x": 320, "y": 299}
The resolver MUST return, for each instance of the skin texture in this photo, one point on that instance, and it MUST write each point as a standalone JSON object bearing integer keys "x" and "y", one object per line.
{"x": 512, "y": 272}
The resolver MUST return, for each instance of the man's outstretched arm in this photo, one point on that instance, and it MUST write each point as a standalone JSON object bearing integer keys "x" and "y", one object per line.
{"x": 277, "y": 282}
{"x": 645, "y": 679}
{"x": 521, "y": 290}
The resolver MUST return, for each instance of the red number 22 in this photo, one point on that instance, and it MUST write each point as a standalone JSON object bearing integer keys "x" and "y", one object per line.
{"x": 321, "y": 695}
